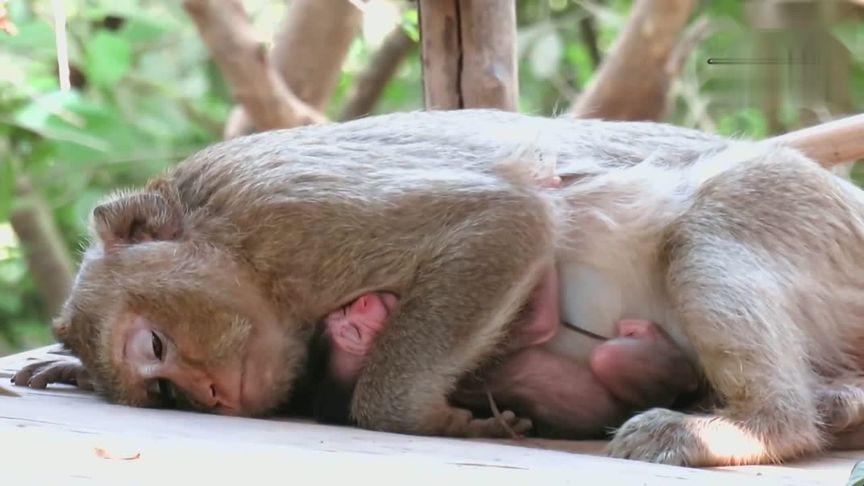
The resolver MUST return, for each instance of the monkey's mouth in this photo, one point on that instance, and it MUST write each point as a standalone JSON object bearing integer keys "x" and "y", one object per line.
{"x": 243, "y": 404}
{"x": 237, "y": 405}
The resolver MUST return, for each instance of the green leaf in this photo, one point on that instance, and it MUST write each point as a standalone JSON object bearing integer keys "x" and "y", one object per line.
{"x": 411, "y": 24}
{"x": 54, "y": 116}
{"x": 141, "y": 30}
{"x": 10, "y": 303}
{"x": 578, "y": 56}
{"x": 109, "y": 58}
{"x": 749, "y": 122}
{"x": 32, "y": 332}
{"x": 35, "y": 39}
{"x": 12, "y": 271}
{"x": 7, "y": 187}
{"x": 857, "y": 173}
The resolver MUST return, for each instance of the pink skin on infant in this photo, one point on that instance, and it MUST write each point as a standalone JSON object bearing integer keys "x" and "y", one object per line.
{"x": 640, "y": 367}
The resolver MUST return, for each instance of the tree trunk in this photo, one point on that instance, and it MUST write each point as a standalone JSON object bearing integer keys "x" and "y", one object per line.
{"x": 46, "y": 256}
{"x": 469, "y": 54}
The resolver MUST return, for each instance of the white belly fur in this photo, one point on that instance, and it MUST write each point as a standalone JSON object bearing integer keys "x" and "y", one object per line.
{"x": 589, "y": 300}
{"x": 595, "y": 301}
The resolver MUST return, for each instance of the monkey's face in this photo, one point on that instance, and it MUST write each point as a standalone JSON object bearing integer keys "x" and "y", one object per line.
{"x": 179, "y": 323}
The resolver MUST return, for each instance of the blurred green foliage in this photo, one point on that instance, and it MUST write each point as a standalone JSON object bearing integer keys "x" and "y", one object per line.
{"x": 146, "y": 95}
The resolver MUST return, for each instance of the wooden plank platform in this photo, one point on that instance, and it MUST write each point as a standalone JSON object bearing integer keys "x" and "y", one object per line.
{"x": 63, "y": 435}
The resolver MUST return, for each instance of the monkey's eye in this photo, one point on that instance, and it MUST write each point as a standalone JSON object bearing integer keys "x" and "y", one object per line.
{"x": 157, "y": 346}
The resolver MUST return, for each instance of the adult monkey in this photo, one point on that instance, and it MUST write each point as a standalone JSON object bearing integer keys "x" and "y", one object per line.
{"x": 656, "y": 214}
{"x": 564, "y": 398}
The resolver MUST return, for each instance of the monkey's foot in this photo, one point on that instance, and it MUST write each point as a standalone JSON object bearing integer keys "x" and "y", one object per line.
{"x": 42, "y": 373}
{"x": 661, "y": 436}
{"x": 841, "y": 404}
{"x": 678, "y": 439}
{"x": 463, "y": 424}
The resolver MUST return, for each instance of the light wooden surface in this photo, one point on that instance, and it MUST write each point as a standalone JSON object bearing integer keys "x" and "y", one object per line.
{"x": 65, "y": 436}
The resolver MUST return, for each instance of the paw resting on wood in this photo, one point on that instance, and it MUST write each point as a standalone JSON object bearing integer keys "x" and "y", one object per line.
{"x": 40, "y": 374}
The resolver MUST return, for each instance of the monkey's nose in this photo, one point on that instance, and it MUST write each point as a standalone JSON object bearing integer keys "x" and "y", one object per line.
{"x": 222, "y": 398}
{"x": 204, "y": 392}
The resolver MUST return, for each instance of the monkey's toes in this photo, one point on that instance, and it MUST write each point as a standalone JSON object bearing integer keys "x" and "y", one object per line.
{"x": 658, "y": 436}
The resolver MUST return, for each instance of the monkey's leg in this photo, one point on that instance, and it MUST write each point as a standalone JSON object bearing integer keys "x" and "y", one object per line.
{"x": 748, "y": 265}
{"x": 454, "y": 315}
{"x": 753, "y": 357}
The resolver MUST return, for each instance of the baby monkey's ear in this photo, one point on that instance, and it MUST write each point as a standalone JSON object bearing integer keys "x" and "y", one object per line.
{"x": 154, "y": 214}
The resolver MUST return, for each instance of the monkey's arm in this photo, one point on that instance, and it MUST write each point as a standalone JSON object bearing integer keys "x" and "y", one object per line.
{"x": 493, "y": 247}
{"x": 42, "y": 373}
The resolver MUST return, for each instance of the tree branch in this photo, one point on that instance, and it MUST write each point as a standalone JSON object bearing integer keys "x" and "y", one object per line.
{"x": 588, "y": 33}
{"x": 831, "y": 143}
{"x": 371, "y": 82}
{"x": 633, "y": 81}
{"x": 308, "y": 53}
{"x": 440, "y": 53}
{"x": 697, "y": 32}
{"x": 254, "y": 83}
{"x": 489, "y": 65}
{"x": 311, "y": 46}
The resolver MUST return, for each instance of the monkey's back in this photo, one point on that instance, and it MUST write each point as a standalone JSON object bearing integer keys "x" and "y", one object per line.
{"x": 625, "y": 182}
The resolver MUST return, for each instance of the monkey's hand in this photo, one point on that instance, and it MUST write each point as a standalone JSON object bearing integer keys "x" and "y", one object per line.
{"x": 462, "y": 423}
{"x": 42, "y": 373}
{"x": 490, "y": 253}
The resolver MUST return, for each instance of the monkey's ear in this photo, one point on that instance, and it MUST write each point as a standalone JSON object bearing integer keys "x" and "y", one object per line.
{"x": 135, "y": 218}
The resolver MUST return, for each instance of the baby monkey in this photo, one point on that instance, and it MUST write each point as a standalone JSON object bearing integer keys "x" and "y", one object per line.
{"x": 638, "y": 368}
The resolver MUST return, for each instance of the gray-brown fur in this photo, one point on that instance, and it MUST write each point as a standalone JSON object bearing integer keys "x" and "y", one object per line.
{"x": 748, "y": 254}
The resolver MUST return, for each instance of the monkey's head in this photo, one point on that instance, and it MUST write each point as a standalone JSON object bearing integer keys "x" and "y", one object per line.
{"x": 159, "y": 314}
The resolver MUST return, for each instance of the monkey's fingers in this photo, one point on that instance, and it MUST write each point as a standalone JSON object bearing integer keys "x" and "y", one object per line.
{"x": 499, "y": 416}
{"x": 501, "y": 426}
{"x": 23, "y": 376}
{"x": 39, "y": 375}
{"x": 68, "y": 372}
